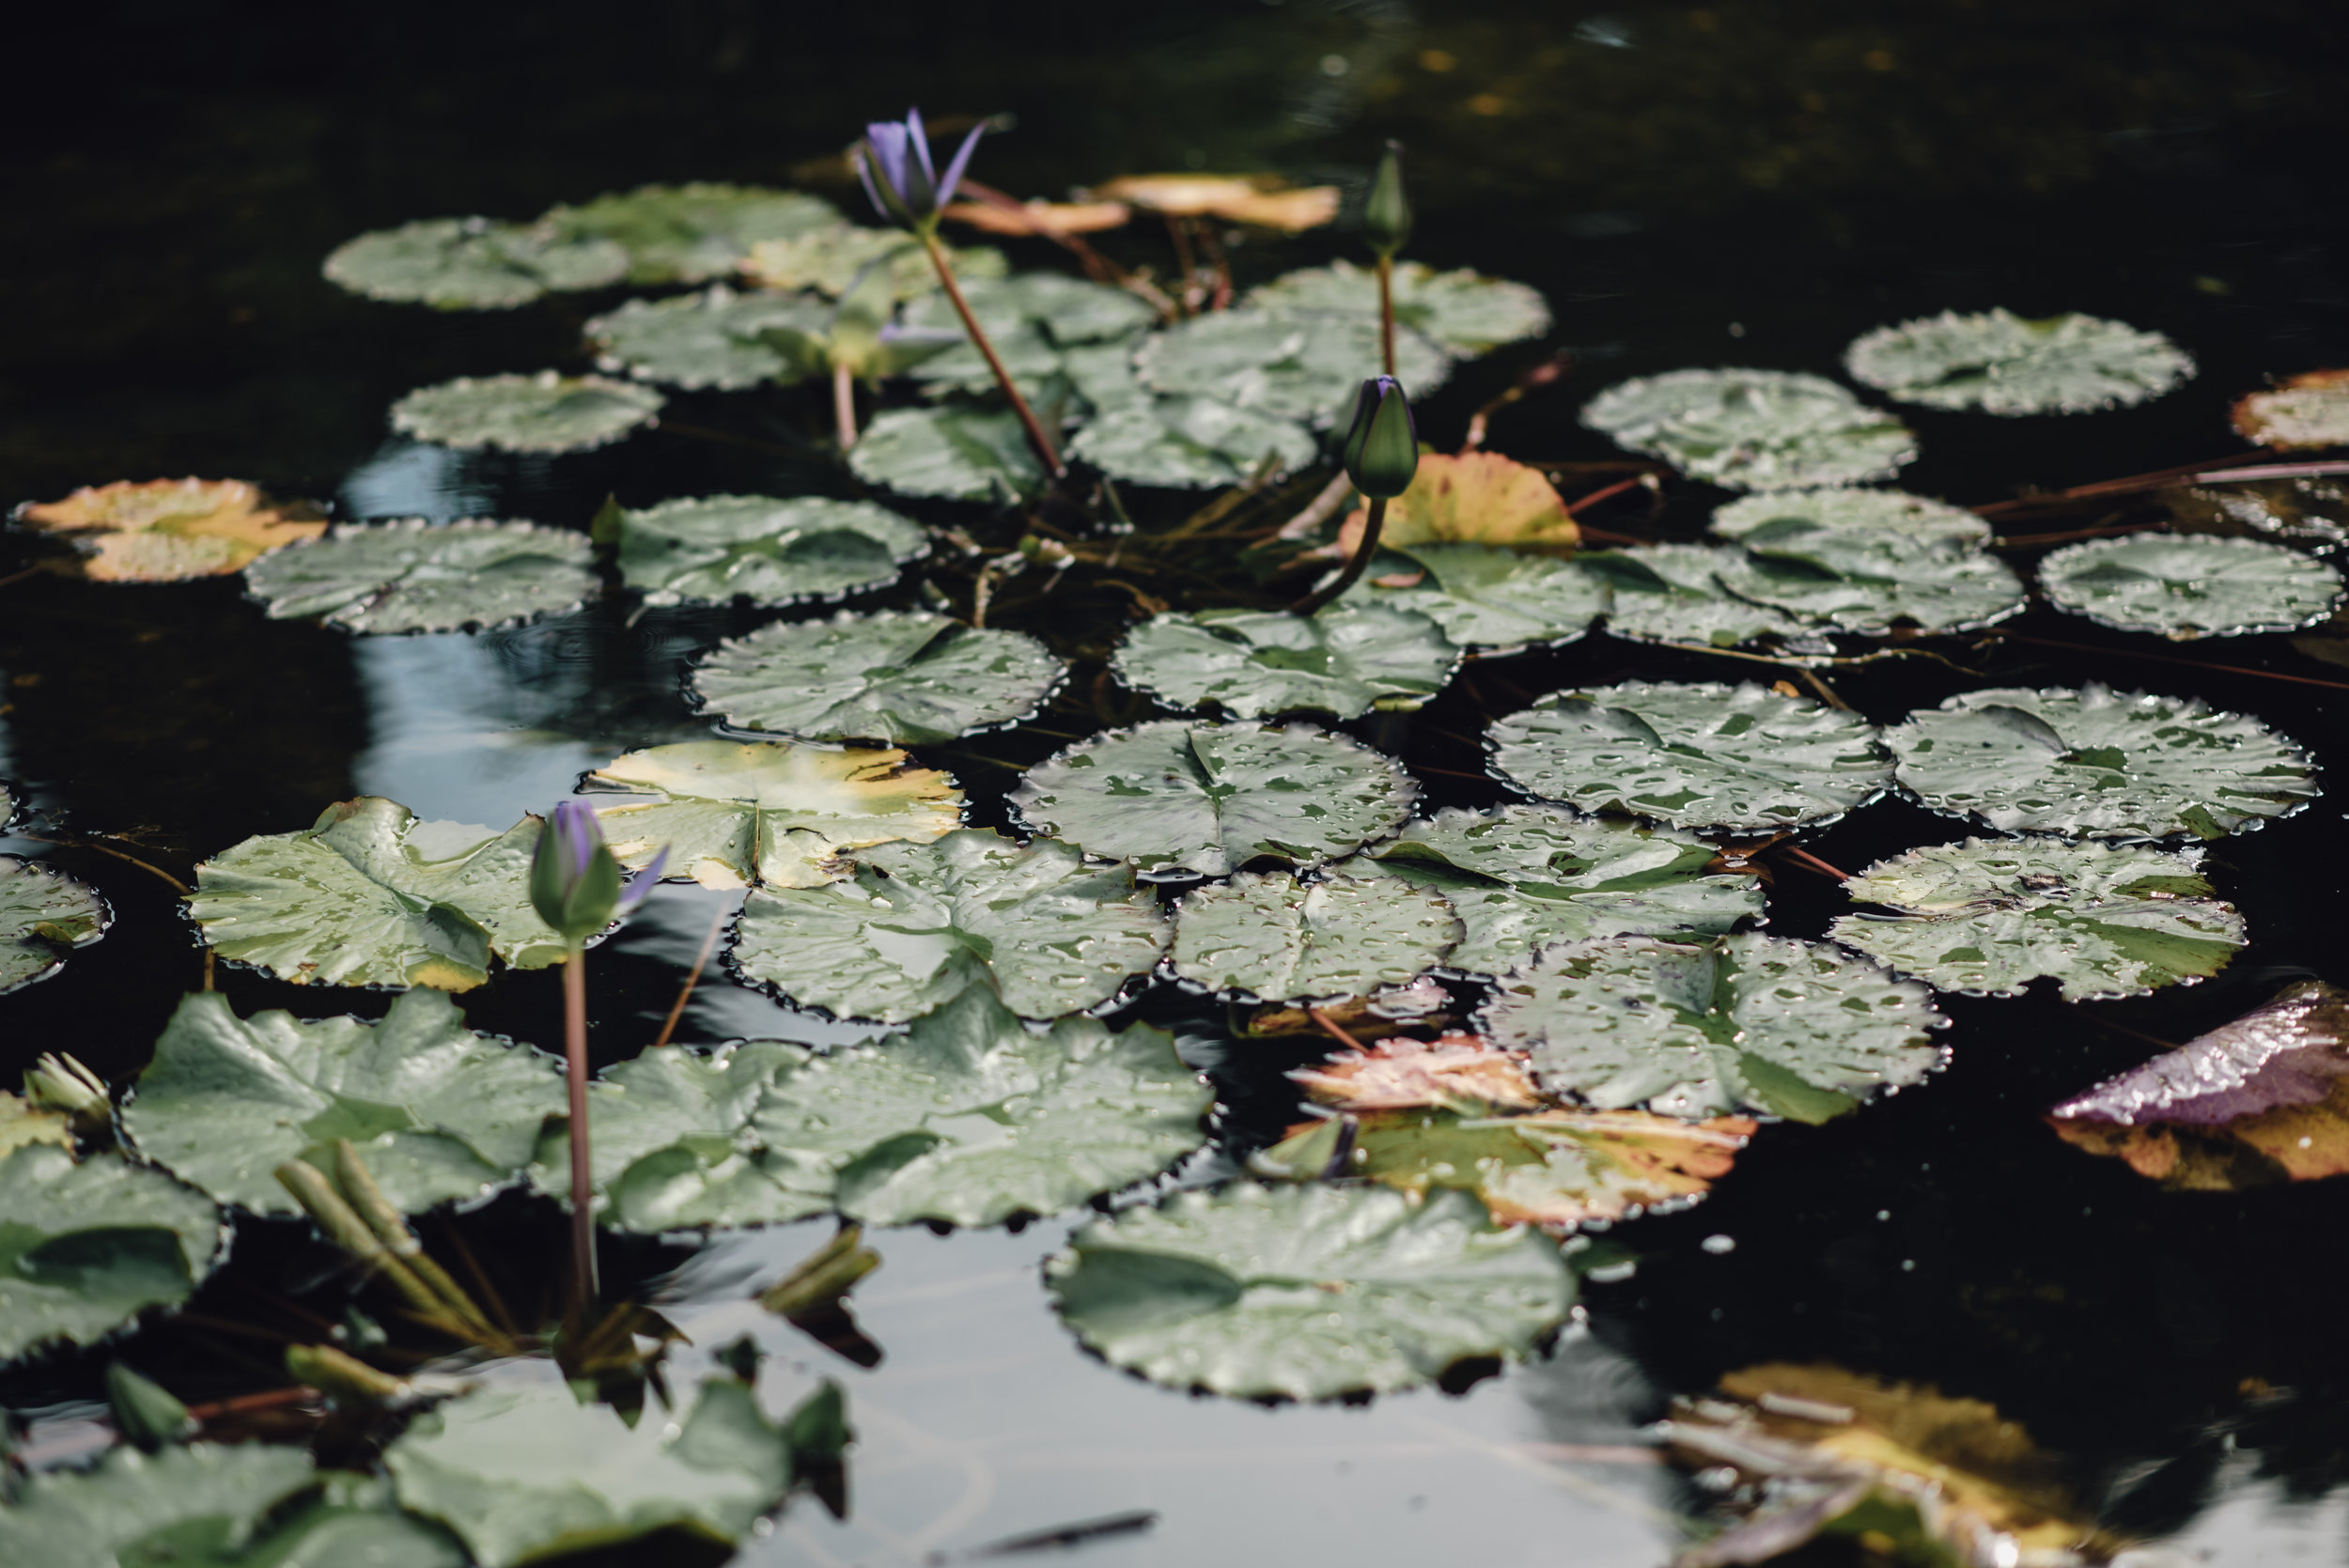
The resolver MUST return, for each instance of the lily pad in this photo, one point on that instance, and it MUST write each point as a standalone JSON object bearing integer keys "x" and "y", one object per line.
{"x": 778, "y": 814}
{"x": 1269, "y": 937}
{"x": 2000, "y": 362}
{"x": 473, "y": 263}
{"x": 21, "y": 1126}
{"x": 692, "y": 233}
{"x": 1307, "y": 1291}
{"x": 1261, "y": 200}
{"x": 1029, "y": 317}
{"x": 955, "y": 451}
{"x": 1345, "y": 661}
{"x": 1192, "y": 443}
{"x": 1873, "y": 513}
{"x": 437, "y": 1112}
{"x": 1523, "y": 876}
{"x": 830, "y": 259}
{"x": 169, "y": 530}
{"x": 916, "y": 924}
{"x": 711, "y": 339}
{"x": 1463, "y": 313}
{"x": 416, "y": 576}
{"x": 1841, "y": 580}
{"x": 1179, "y": 795}
{"x": 1298, "y": 367}
{"x": 1753, "y": 430}
{"x": 86, "y": 1248}
{"x": 2191, "y": 587}
{"x": 1485, "y": 596}
{"x": 1674, "y": 593}
{"x": 759, "y": 548}
{"x": 1699, "y": 755}
{"x": 44, "y": 915}
{"x": 1987, "y": 917}
{"x": 2099, "y": 763}
{"x": 1471, "y": 498}
{"x": 2302, "y": 412}
{"x": 545, "y": 413}
{"x": 903, "y": 676}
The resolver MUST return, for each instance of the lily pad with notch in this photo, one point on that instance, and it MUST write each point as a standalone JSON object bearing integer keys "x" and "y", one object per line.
{"x": 545, "y": 413}
{"x": 86, "y": 1248}
{"x": 1269, "y": 937}
{"x": 1841, "y": 580}
{"x": 899, "y": 676}
{"x": 417, "y": 576}
{"x": 766, "y": 550}
{"x": 716, "y": 339}
{"x": 1753, "y": 430}
{"x": 44, "y": 915}
{"x": 1490, "y": 598}
{"x": 692, "y": 233}
{"x": 2191, "y": 587}
{"x": 2001, "y": 363}
{"x": 954, "y": 451}
{"x": 1674, "y": 593}
{"x": 1463, "y": 313}
{"x": 1345, "y": 661}
{"x": 473, "y": 263}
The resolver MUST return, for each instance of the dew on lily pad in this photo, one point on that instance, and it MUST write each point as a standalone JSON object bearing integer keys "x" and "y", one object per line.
{"x": 1463, "y": 313}
{"x": 1842, "y": 579}
{"x": 831, "y": 258}
{"x": 2301, "y": 413}
{"x": 902, "y": 676}
{"x": 1997, "y": 362}
{"x": 1269, "y": 937}
{"x": 764, "y": 549}
{"x": 1753, "y": 430}
{"x": 545, "y": 413}
{"x": 416, "y": 576}
{"x": 1345, "y": 661}
{"x": 691, "y": 233}
{"x": 716, "y": 339}
{"x": 954, "y": 451}
{"x": 2191, "y": 587}
{"x": 1489, "y": 597}
{"x": 1848, "y": 509}
{"x": 44, "y": 916}
{"x": 1301, "y": 368}
{"x": 171, "y": 530}
{"x": 473, "y": 263}
{"x": 1674, "y": 593}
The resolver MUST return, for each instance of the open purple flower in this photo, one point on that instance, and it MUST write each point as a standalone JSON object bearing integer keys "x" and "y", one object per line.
{"x": 576, "y": 883}
{"x": 894, "y": 161}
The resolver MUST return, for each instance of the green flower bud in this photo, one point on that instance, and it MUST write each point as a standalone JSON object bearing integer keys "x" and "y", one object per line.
{"x": 61, "y": 1083}
{"x": 146, "y": 1415}
{"x": 1382, "y": 444}
{"x": 1387, "y": 213}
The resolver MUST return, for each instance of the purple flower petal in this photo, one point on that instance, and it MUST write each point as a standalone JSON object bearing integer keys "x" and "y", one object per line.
{"x": 962, "y": 158}
{"x": 888, "y": 141}
{"x": 642, "y": 883}
{"x": 920, "y": 139}
{"x": 863, "y": 159}
{"x": 577, "y": 832}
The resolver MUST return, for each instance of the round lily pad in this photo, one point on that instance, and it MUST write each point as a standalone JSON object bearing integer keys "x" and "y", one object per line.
{"x": 473, "y": 263}
{"x": 1302, "y": 367}
{"x": 1845, "y": 581}
{"x": 2191, "y": 587}
{"x": 1179, "y": 795}
{"x": 712, "y": 339}
{"x": 417, "y": 576}
{"x": 2000, "y": 362}
{"x": 2304, "y": 411}
{"x": 1700, "y": 755}
{"x": 830, "y": 259}
{"x": 1462, "y": 313}
{"x": 1307, "y": 1291}
{"x": 1745, "y": 1022}
{"x": 1192, "y": 443}
{"x": 1846, "y": 510}
{"x": 692, "y": 233}
{"x": 1271, "y": 938}
{"x": 545, "y": 413}
{"x": 44, "y": 915}
{"x": 955, "y": 451}
{"x": 903, "y": 676}
{"x": 86, "y": 1248}
{"x": 1345, "y": 661}
{"x": 760, "y": 547}
{"x": 1987, "y": 917}
{"x": 1069, "y": 310}
{"x": 1481, "y": 596}
{"x": 2099, "y": 763}
{"x": 1674, "y": 593}
{"x": 1753, "y": 430}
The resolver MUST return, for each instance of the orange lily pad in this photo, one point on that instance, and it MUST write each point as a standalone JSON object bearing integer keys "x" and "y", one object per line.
{"x": 1042, "y": 217}
{"x": 1264, "y": 201}
{"x": 1475, "y": 498}
{"x": 171, "y": 530}
{"x": 2298, "y": 415}
{"x": 1460, "y": 1071}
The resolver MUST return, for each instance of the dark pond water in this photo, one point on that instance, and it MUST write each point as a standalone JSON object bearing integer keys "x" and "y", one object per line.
{"x": 1740, "y": 183}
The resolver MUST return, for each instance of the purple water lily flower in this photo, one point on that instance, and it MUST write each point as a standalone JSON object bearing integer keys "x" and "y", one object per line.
{"x": 894, "y": 161}
{"x": 576, "y": 883}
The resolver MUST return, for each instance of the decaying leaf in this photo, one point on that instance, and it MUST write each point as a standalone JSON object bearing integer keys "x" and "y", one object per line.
{"x": 170, "y": 530}
{"x": 1042, "y": 217}
{"x": 1261, "y": 200}
{"x": 21, "y": 1125}
{"x": 2302, "y": 412}
{"x": 1454, "y": 1072}
{"x": 1475, "y": 498}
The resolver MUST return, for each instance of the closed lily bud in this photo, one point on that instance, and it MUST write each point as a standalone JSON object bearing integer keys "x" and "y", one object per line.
{"x": 58, "y": 1082}
{"x": 1382, "y": 444}
{"x": 1387, "y": 213}
{"x": 145, "y": 1413}
{"x": 576, "y": 884}
{"x": 894, "y": 161}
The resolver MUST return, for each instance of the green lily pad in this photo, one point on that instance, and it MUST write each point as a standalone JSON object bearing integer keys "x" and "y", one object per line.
{"x": 1489, "y": 597}
{"x": 472, "y": 263}
{"x": 1179, "y": 795}
{"x": 2191, "y": 587}
{"x": 759, "y": 548}
{"x": 902, "y": 676}
{"x": 437, "y": 1112}
{"x": 1989, "y": 917}
{"x": 1191, "y": 443}
{"x": 711, "y": 339}
{"x": 1301, "y": 368}
{"x": 1523, "y": 876}
{"x": 1753, "y": 430}
{"x": 1462, "y": 313}
{"x": 545, "y": 413}
{"x": 1699, "y": 755}
{"x": 1269, "y": 937}
{"x": 1029, "y": 318}
{"x": 415, "y": 576}
{"x": 2099, "y": 763}
{"x": 692, "y": 233}
{"x": 830, "y": 259}
{"x": 1347, "y": 660}
{"x": 86, "y": 1248}
{"x": 1307, "y": 1291}
{"x": 2000, "y": 362}
{"x": 957, "y": 451}
{"x": 369, "y": 895}
{"x": 1674, "y": 593}
{"x": 1746, "y": 1022}
{"x": 778, "y": 813}
{"x": 1846, "y": 580}
{"x": 1845, "y": 509}
{"x": 44, "y": 915}
{"x": 916, "y": 924}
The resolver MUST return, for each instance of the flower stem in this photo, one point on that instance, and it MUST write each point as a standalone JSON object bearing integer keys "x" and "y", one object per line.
{"x": 1362, "y": 553}
{"x": 1038, "y": 442}
{"x": 844, "y": 404}
{"x": 1385, "y": 311}
{"x": 583, "y": 1186}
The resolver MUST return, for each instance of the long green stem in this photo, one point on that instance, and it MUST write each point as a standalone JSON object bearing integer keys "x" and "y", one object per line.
{"x": 1038, "y": 442}
{"x": 1385, "y": 311}
{"x": 582, "y": 1183}
{"x": 1346, "y": 578}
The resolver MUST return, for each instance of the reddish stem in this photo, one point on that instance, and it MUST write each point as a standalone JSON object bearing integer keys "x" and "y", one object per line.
{"x": 1037, "y": 441}
{"x": 1385, "y": 311}
{"x": 583, "y": 1181}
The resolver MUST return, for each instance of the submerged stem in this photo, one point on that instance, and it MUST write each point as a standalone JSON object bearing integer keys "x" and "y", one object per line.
{"x": 844, "y": 404}
{"x": 583, "y": 1185}
{"x": 1372, "y": 524}
{"x": 1038, "y": 442}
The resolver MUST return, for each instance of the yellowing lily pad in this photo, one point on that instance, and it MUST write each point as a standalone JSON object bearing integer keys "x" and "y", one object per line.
{"x": 1479, "y": 498}
{"x": 1263, "y": 201}
{"x": 170, "y": 530}
{"x": 2302, "y": 412}
{"x": 830, "y": 259}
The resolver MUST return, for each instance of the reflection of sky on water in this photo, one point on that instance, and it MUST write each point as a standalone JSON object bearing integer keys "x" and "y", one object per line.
{"x": 411, "y": 479}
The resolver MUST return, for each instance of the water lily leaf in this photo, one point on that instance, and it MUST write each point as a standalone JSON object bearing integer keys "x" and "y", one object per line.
{"x": 903, "y": 676}
{"x": 1748, "y": 1023}
{"x": 918, "y": 924}
{"x": 955, "y": 451}
{"x": 1462, "y": 313}
{"x": 1840, "y": 579}
{"x": 711, "y": 339}
{"x": 1475, "y": 498}
{"x": 417, "y": 576}
{"x": 1302, "y": 367}
{"x": 1191, "y": 442}
{"x": 369, "y": 895}
{"x": 1042, "y": 217}
{"x": 1459, "y": 1072}
{"x": 758, "y": 547}
{"x": 1307, "y": 1291}
{"x": 437, "y": 1112}
{"x": 1029, "y": 317}
{"x": 1183, "y": 795}
{"x": 44, "y": 915}
{"x": 1485, "y": 596}
{"x": 692, "y": 233}
{"x": 1867, "y": 512}
{"x": 1269, "y": 937}
{"x": 1698, "y": 756}
{"x": 1264, "y": 200}
{"x": 778, "y": 813}
{"x": 2000, "y": 362}
{"x": 2299, "y": 412}
{"x": 1753, "y": 430}
{"x": 1523, "y": 876}
{"x": 545, "y": 413}
{"x": 829, "y": 260}
{"x": 1345, "y": 661}
{"x": 473, "y": 263}
{"x": 1987, "y": 917}
{"x": 2101, "y": 762}
{"x": 86, "y": 1248}
{"x": 21, "y": 1126}
{"x": 2191, "y": 587}
{"x": 169, "y": 530}
{"x": 1674, "y": 593}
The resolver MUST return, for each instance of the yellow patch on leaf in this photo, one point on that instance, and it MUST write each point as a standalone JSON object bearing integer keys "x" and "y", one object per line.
{"x": 171, "y": 530}
{"x": 1264, "y": 201}
{"x": 1478, "y": 498}
{"x": 21, "y": 1126}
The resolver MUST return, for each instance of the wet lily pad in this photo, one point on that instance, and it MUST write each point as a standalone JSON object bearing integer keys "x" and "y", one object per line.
{"x": 916, "y": 924}
{"x": 1301, "y": 368}
{"x": 760, "y": 547}
{"x": 712, "y": 339}
{"x": 86, "y": 1248}
{"x": 1523, "y": 876}
{"x": 415, "y": 576}
{"x": 169, "y": 530}
{"x": 44, "y": 915}
{"x": 1181, "y": 795}
{"x": 473, "y": 263}
{"x": 902, "y": 676}
{"x": 1999, "y": 363}
{"x": 1029, "y": 317}
{"x": 1471, "y": 498}
{"x": 1846, "y": 509}
{"x": 770, "y": 812}
{"x": 1307, "y": 1291}
{"x": 1463, "y": 313}
{"x": 2099, "y": 763}
{"x": 1794, "y": 1028}
{"x": 2301, "y": 413}
{"x": 1699, "y": 755}
{"x": 829, "y": 260}
{"x": 955, "y": 451}
{"x": 1347, "y": 660}
{"x": 1674, "y": 593}
{"x": 1753, "y": 430}
{"x": 2191, "y": 587}
{"x": 437, "y": 1112}
{"x": 1987, "y": 917}
{"x": 1846, "y": 580}
{"x": 1485, "y": 596}
{"x": 1191, "y": 442}
{"x": 545, "y": 413}
{"x": 692, "y": 233}
{"x": 1269, "y": 937}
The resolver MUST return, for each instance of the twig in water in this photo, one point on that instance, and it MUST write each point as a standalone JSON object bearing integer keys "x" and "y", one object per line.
{"x": 18, "y": 576}
{"x": 1331, "y": 1026}
{"x": 1597, "y": 496}
{"x": 1547, "y": 373}
{"x": 693, "y": 976}
{"x": 1826, "y": 694}
{"x": 1814, "y": 863}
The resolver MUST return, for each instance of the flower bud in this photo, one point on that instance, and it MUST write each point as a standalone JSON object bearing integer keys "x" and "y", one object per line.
{"x": 145, "y": 1413}
{"x": 575, "y": 882}
{"x": 1387, "y": 213}
{"x": 60, "y": 1082}
{"x": 1383, "y": 445}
